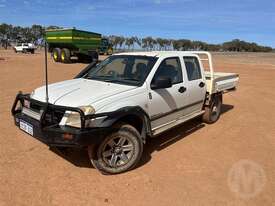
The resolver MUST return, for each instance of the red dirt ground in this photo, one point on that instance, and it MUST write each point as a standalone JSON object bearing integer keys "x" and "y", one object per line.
{"x": 188, "y": 165}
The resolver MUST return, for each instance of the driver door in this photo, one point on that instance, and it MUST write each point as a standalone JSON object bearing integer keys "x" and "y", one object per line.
{"x": 166, "y": 105}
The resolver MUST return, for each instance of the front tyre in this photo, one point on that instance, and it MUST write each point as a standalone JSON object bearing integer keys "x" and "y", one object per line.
{"x": 118, "y": 152}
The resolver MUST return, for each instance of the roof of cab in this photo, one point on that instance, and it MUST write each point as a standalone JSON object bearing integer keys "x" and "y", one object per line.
{"x": 157, "y": 53}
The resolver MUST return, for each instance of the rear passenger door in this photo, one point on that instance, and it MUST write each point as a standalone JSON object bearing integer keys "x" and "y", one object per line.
{"x": 195, "y": 83}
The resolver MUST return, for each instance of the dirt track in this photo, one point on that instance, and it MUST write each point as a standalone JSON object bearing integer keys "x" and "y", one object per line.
{"x": 186, "y": 166}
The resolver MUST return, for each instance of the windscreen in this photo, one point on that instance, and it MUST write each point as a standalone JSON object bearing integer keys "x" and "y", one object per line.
{"x": 123, "y": 69}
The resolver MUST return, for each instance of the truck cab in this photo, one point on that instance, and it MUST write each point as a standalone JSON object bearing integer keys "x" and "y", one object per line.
{"x": 111, "y": 108}
{"x": 105, "y": 47}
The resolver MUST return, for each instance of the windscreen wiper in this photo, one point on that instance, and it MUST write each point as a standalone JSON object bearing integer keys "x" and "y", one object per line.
{"x": 97, "y": 77}
{"x": 132, "y": 79}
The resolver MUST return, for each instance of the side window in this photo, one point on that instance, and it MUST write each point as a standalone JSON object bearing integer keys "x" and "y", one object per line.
{"x": 170, "y": 67}
{"x": 104, "y": 42}
{"x": 192, "y": 68}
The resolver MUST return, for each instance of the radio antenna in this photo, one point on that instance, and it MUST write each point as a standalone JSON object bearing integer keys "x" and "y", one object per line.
{"x": 46, "y": 71}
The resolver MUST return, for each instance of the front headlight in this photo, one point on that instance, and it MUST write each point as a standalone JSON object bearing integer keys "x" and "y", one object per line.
{"x": 87, "y": 109}
{"x": 73, "y": 118}
{"x": 32, "y": 93}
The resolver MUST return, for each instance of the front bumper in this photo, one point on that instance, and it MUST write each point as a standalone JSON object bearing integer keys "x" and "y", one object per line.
{"x": 51, "y": 133}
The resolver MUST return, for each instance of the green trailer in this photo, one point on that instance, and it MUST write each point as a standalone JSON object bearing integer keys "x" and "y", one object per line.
{"x": 67, "y": 43}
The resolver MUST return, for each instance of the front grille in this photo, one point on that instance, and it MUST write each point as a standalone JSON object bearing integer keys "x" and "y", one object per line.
{"x": 53, "y": 117}
{"x": 36, "y": 107}
{"x": 48, "y": 115}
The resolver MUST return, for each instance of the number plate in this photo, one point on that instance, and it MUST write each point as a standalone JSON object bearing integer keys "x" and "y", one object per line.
{"x": 26, "y": 127}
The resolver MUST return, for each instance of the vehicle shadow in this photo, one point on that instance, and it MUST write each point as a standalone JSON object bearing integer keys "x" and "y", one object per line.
{"x": 169, "y": 137}
{"x": 226, "y": 108}
{"x": 79, "y": 157}
{"x": 174, "y": 135}
{"x": 82, "y": 61}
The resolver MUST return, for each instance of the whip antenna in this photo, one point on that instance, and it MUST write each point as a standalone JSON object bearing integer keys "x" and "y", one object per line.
{"x": 46, "y": 72}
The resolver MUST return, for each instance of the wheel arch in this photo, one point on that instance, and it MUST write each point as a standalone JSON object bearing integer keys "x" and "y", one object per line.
{"x": 209, "y": 98}
{"x": 134, "y": 116}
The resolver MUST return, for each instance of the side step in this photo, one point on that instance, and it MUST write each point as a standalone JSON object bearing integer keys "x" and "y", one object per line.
{"x": 170, "y": 125}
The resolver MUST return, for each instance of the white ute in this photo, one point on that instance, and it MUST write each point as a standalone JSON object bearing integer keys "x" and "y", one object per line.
{"x": 111, "y": 108}
{"x": 24, "y": 48}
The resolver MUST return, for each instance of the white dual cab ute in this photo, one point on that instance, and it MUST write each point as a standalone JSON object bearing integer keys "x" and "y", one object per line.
{"x": 111, "y": 108}
{"x": 24, "y": 48}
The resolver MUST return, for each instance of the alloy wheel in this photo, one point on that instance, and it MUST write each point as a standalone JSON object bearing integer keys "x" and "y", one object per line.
{"x": 117, "y": 152}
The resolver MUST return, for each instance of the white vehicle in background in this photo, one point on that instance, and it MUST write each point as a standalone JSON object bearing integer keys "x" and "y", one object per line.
{"x": 24, "y": 48}
{"x": 113, "y": 107}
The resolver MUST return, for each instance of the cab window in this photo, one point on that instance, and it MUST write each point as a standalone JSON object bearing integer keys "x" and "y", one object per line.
{"x": 193, "y": 69}
{"x": 171, "y": 68}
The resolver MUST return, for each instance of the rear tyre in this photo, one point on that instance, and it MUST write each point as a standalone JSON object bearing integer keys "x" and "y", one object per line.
{"x": 56, "y": 54}
{"x": 32, "y": 51}
{"x": 80, "y": 58}
{"x": 65, "y": 55}
{"x": 94, "y": 57}
{"x": 118, "y": 152}
{"x": 213, "y": 111}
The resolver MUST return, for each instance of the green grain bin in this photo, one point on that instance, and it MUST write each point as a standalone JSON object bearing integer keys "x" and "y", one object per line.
{"x": 67, "y": 43}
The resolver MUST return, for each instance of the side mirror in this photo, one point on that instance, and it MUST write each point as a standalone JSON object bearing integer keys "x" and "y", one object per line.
{"x": 161, "y": 83}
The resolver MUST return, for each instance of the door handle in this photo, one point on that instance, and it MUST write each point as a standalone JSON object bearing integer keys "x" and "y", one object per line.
{"x": 202, "y": 84}
{"x": 182, "y": 89}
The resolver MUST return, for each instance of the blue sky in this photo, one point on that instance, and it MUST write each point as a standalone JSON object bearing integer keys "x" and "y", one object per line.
{"x": 214, "y": 21}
